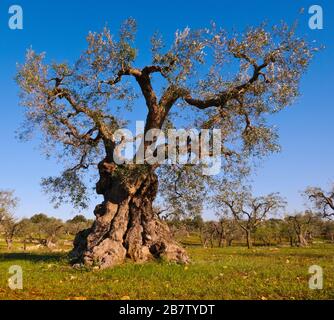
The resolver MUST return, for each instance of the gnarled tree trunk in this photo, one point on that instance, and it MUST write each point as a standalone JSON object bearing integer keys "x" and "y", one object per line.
{"x": 126, "y": 226}
{"x": 9, "y": 242}
{"x": 302, "y": 242}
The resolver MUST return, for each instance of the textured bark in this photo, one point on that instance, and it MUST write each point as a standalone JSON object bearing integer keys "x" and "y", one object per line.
{"x": 9, "y": 242}
{"x": 249, "y": 239}
{"x": 125, "y": 225}
{"x": 302, "y": 242}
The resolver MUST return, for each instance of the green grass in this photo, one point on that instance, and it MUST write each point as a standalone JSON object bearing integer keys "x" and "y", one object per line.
{"x": 219, "y": 273}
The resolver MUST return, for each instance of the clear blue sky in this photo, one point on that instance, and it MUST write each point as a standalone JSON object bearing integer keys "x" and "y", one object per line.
{"x": 59, "y": 28}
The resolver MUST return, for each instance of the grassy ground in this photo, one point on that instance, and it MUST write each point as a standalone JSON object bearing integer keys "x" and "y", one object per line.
{"x": 219, "y": 273}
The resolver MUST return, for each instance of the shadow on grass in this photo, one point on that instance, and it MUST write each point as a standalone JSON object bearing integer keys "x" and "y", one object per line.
{"x": 191, "y": 244}
{"x": 33, "y": 257}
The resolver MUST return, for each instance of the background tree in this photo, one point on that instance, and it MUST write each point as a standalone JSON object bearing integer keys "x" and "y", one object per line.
{"x": 287, "y": 231}
{"x": 221, "y": 231}
{"x": 25, "y": 231}
{"x": 78, "y": 108}
{"x": 302, "y": 226}
{"x": 53, "y": 229}
{"x": 269, "y": 232}
{"x": 322, "y": 201}
{"x": 8, "y": 224}
{"x": 327, "y": 230}
{"x": 225, "y": 230}
{"x": 77, "y": 224}
{"x": 39, "y": 221}
{"x": 230, "y": 230}
{"x": 209, "y": 233}
{"x": 248, "y": 211}
{"x": 9, "y": 228}
{"x": 47, "y": 228}
{"x": 8, "y": 203}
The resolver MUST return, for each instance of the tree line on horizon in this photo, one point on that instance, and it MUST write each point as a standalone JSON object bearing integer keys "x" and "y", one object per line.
{"x": 39, "y": 229}
{"x": 241, "y": 218}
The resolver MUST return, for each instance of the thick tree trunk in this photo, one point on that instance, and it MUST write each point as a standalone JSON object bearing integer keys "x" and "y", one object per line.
{"x": 291, "y": 241}
{"x": 222, "y": 242}
{"x": 301, "y": 240}
{"x": 249, "y": 239}
{"x": 50, "y": 243}
{"x": 222, "y": 239}
{"x": 9, "y": 243}
{"x": 125, "y": 225}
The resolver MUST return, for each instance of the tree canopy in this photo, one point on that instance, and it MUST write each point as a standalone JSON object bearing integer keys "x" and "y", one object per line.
{"x": 206, "y": 76}
{"x": 8, "y": 203}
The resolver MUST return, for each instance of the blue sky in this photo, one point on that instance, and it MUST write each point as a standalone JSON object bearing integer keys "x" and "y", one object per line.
{"x": 59, "y": 28}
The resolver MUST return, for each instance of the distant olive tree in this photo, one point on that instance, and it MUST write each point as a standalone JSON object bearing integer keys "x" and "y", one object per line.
{"x": 269, "y": 232}
{"x": 77, "y": 224}
{"x": 8, "y": 223}
{"x": 25, "y": 231}
{"x": 48, "y": 229}
{"x": 247, "y": 210}
{"x": 302, "y": 224}
{"x": 322, "y": 201}
{"x": 8, "y": 203}
{"x": 327, "y": 230}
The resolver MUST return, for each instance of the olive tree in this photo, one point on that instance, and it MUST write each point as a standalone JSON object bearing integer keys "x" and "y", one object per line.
{"x": 79, "y": 107}
{"x": 8, "y": 203}
{"x": 47, "y": 228}
{"x": 77, "y": 224}
{"x": 8, "y": 223}
{"x": 322, "y": 201}
{"x": 269, "y": 232}
{"x": 25, "y": 231}
{"x": 302, "y": 224}
{"x": 247, "y": 210}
